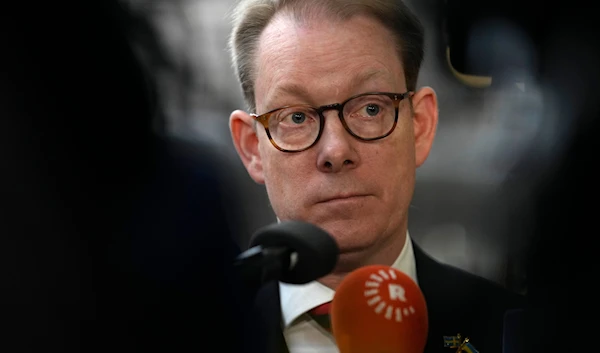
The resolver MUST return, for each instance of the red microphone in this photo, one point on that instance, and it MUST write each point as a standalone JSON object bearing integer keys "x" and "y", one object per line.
{"x": 378, "y": 309}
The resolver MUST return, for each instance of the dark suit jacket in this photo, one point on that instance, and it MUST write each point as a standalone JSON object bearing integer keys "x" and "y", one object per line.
{"x": 460, "y": 302}
{"x": 457, "y": 302}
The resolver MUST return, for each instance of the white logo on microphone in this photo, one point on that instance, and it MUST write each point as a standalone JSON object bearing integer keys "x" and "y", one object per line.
{"x": 396, "y": 293}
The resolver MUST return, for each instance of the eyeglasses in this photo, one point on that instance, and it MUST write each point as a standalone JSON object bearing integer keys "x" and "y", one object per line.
{"x": 367, "y": 117}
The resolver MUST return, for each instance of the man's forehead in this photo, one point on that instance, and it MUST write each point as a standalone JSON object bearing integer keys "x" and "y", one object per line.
{"x": 288, "y": 64}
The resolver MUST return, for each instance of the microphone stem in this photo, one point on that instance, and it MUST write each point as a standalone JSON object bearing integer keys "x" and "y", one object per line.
{"x": 259, "y": 265}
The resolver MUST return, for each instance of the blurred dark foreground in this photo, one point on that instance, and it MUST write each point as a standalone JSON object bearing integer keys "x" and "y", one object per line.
{"x": 113, "y": 237}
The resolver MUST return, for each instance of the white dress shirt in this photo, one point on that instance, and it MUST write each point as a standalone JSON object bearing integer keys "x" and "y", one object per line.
{"x": 303, "y": 334}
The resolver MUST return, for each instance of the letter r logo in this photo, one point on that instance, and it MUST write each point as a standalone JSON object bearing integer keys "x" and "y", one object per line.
{"x": 397, "y": 292}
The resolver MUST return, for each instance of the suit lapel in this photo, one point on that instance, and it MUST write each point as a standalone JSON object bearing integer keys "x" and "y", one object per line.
{"x": 443, "y": 301}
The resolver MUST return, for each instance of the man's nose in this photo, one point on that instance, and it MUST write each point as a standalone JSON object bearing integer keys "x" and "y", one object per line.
{"x": 336, "y": 147}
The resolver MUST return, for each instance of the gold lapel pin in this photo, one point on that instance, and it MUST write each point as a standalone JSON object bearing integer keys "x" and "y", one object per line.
{"x": 460, "y": 344}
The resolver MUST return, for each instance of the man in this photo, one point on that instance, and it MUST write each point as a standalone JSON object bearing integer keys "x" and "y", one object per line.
{"x": 336, "y": 131}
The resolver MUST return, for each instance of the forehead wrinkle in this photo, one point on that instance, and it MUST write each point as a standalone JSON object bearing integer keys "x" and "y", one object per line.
{"x": 302, "y": 93}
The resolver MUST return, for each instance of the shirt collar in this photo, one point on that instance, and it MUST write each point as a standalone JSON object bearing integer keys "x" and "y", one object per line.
{"x": 296, "y": 299}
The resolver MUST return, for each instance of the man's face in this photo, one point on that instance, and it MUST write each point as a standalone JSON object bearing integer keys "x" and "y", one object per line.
{"x": 357, "y": 191}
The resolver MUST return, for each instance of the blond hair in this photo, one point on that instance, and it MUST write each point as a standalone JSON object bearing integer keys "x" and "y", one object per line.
{"x": 251, "y": 17}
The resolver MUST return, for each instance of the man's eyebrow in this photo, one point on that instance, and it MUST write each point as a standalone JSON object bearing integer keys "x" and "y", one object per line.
{"x": 302, "y": 92}
{"x": 293, "y": 90}
{"x": 366, "y": 76}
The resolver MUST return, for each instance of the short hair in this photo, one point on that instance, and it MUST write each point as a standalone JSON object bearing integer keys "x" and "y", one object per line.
{"x": 251, "y": 17}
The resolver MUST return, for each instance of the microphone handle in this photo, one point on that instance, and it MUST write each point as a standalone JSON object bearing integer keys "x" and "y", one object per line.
{"x": 259, "y": 265}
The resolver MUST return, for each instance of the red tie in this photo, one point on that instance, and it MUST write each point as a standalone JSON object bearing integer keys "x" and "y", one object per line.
{"x": 321, "y": 315}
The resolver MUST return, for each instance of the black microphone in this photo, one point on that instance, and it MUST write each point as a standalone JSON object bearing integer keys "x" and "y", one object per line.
{"x": 291, "y": 251}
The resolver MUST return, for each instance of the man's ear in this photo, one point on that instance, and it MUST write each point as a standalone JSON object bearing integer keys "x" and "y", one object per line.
{"x": 245, "y": 140}
{"x": 425, "y": 121}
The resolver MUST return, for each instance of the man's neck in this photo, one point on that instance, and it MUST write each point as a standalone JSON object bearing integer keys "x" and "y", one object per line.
{"x": 384, "y": 254}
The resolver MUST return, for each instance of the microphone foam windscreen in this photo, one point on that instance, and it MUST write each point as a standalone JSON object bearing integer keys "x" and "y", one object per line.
{"x": 379, "y": 309}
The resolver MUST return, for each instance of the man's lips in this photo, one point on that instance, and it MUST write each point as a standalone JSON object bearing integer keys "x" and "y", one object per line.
{"x": 342, "y": 197}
